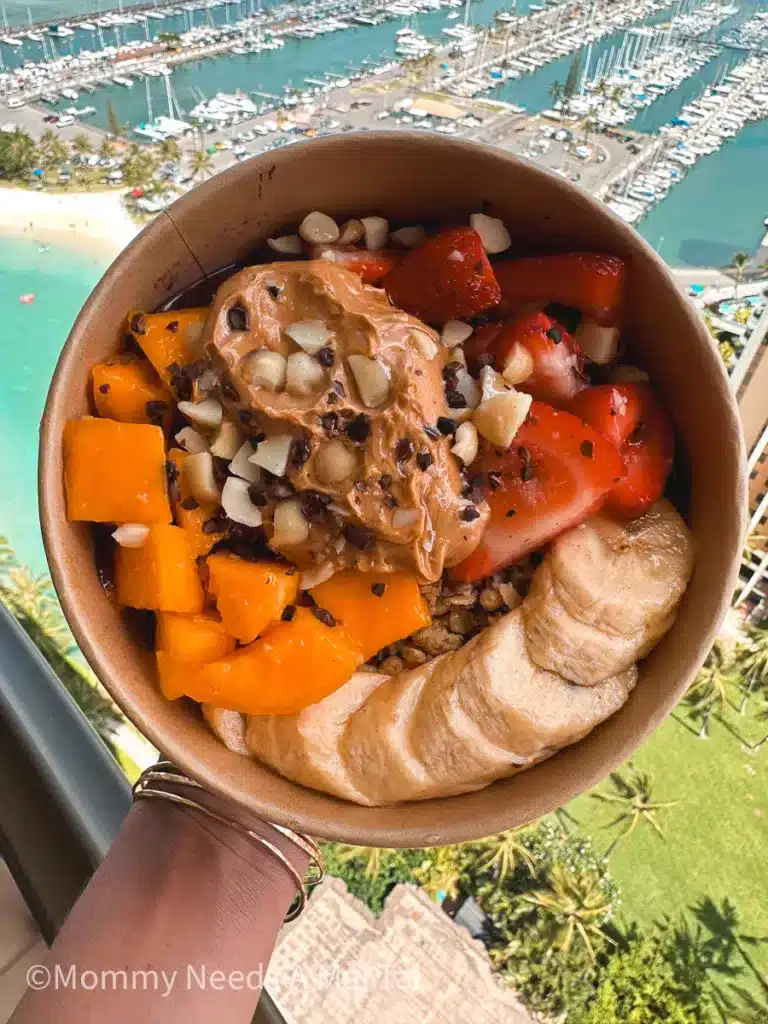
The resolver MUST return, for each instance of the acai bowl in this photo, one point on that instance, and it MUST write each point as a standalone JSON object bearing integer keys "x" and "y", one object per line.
{"x": 409, "y": 490}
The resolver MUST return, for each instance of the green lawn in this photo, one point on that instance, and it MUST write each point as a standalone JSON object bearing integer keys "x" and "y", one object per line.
{"x": 716, "y": 842}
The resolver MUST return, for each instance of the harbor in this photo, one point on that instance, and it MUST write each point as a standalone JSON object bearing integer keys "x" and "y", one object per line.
{"x": 238, "y": 80}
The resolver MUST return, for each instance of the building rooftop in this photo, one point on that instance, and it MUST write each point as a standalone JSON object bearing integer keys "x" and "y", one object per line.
{"x": 412, "y": 965}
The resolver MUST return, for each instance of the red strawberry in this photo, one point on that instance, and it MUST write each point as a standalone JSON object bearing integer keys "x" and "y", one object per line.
{"x": 371, "y": 267}
{"x": 446, "y": 277}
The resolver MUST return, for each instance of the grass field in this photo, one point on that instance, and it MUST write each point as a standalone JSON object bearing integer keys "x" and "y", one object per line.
{"x": 716, "y": 842}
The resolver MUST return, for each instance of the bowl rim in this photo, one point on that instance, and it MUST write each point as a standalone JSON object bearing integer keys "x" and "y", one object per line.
{"x": 107, "y": 669}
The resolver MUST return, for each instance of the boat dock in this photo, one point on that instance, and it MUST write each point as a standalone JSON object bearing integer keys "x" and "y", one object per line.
{"x": 717, "y": 114}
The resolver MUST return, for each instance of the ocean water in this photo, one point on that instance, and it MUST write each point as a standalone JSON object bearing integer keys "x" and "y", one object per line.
{"x": 31, "y": 341}
{"x": 717, "y": 210}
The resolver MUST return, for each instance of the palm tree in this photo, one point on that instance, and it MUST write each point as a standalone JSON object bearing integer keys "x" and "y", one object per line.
{"x": 375, "y": 857}
{"x": 588, "y": 126}
{"x": 169, "y": 150}
{"x": 53, "y": 152}
{"x": 502, "y": 853}
{"x": 139, "y": 168}
{"x": 633, "y": 796}
{"x": 23, "y": 153}
{"x": 708, "y": 690}
{"x": 556, "y": 93}
{"x": 115, "y": 126}
{"x": 751, "y": 659}
{"x": 574, "y": 906}
{"x": 106, "y": 149}
{"x": 738, "y": 264}
{"x": 81, "y": 145}
{"x": 202, "y": 164}
{"x": 441, "y": 874}
{"x": 723, "y": 924}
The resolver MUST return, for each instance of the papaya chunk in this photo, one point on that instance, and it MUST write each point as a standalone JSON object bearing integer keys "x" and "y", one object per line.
{"x": 250, "y": 595}
{"x": 375, "y": 608}
{"x": 190, "y": 515}
{"x": 169, "y": 340}
{"x": 127, "y": 389}
{"x": 115, "y": 472}
{"x": 160, "y": 575}
{"x": 185, "y": 641}
{"x": 293, "y": 665}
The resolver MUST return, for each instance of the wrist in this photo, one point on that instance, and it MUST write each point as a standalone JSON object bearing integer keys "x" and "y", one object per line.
{"x": 233, "y": 839}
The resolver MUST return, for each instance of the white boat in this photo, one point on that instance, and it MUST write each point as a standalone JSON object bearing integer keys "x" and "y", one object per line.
{"x": 70, "y": 94}
{"x": 123, "y": 80}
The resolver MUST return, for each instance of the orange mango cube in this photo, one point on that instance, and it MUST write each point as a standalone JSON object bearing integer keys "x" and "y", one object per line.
{"x": 115, "y": 472}
{"x": 125, "y": 388}
{"x": 192, "y": 520}
{"x": 293, "y": 665}
{"x": 375, "y": 608}
{"x": 160, "y": 575}
{"x": 184, "y": 642}
{"x": 168, "y": 338}
{"x": 250, "y": 595}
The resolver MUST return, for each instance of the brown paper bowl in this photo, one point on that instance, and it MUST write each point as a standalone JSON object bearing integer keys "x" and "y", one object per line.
{"x": 408, "y": 177}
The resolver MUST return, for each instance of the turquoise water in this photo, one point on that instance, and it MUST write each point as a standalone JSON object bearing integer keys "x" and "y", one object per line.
{"x": 32, "y": 338}
{"x": 717, "y": 210}
{"x": 267, "y": 72}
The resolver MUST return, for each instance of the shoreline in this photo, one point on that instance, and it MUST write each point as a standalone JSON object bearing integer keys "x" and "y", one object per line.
{"x": 92, "y": 222}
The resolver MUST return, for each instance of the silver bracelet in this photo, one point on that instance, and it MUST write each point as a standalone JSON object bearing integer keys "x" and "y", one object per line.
{"x": 150, "y": 785}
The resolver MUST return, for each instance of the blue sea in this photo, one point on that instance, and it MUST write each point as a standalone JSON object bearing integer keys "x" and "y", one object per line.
{"x": 717, "y": 210}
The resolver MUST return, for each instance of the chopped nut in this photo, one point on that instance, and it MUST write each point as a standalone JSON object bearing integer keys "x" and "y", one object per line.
{"x": 304, "y": 375}
{"x": 311, "y": 335}
{"x": 466, "y": 444}
{"x": 290, "y": 526}
{"x": 440, "y": 607}
{"x": 286, "y": 245}
{"x": 493, "y": 232}
{"x": 392, "y": 665}
{"x": 335, "y": 462}
{"x": 455, "y": 332}
{"x": 264, "y": 369}
{"x": 491, "y": 599}
{"x": 371, "y": 378}
{"x": 319, "y": 228}
{"x": 375, "y": 230}
{"x": 351, "y": 232}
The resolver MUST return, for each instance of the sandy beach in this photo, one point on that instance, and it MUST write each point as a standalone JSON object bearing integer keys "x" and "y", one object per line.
{"x": 91, "y": 221}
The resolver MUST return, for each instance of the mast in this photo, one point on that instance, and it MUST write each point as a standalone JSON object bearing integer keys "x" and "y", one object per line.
{"x": 168, "y": 95}
{"x": 150, "y": 118}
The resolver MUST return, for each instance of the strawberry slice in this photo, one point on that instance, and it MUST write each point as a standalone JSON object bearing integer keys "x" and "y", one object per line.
{"x": 556, "y": 377}
{"x": 648, "y": 454}
{"x": 591, "y": 282}
{"x": 613, "y": 409}
{"x": 370, "y": 267}
{"x": 445, "y": 278}
{"x": 556, "y": 474}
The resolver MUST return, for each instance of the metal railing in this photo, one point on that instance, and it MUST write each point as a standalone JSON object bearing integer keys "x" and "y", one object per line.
{"x": 62, "y": 795}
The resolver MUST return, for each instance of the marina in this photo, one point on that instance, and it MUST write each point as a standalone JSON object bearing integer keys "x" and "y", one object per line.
{"x": 503, "y": 72}
{"x": 717, "y": 115}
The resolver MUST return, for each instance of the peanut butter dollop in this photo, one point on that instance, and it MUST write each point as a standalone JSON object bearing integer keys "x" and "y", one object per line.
{"x": 401, "y": 505}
